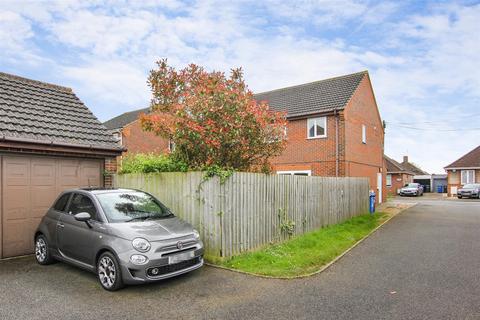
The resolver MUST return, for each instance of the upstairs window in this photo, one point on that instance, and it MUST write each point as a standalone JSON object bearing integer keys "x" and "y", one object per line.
{"x": 317, "y": 128}
{"x": 364, "y": 134}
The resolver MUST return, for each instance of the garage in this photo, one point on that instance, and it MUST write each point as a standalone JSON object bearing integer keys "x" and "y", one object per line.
{"x": 49, "y": 142}
{"x": 29, "y": 187}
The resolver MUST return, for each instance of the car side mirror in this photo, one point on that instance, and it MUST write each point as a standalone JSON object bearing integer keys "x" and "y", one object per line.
{"x": 83, "y": 216}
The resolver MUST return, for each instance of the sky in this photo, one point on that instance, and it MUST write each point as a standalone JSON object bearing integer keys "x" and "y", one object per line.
{"x": 423, "y": 57}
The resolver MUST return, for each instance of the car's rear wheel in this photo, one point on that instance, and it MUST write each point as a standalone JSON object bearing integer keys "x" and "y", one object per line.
{"x": 108, "y": 272}
{"x": 42, "y": 252}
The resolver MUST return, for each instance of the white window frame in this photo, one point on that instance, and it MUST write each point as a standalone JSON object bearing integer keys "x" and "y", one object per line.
{"x": 314, "y": 120}
{"x": 389, "y": 177}
{"x": 293, "y": 172}
{"x": 364, "y": 134}
{"x": 467, "y": 176}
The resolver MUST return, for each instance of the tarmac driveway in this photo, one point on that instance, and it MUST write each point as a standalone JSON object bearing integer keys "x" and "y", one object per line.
{"x": 424, "y": 264}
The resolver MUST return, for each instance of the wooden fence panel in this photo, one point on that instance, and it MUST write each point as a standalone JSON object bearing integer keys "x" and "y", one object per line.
{"x": 249, "y": 209}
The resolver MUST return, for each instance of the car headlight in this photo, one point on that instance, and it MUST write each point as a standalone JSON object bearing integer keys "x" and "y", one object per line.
{"x": 138, "y": 259}
{"x": 196, "y": 234}
{"x": 141, "y": 244}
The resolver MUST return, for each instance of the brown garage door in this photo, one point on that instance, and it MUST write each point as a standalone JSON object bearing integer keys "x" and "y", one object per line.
{"x": 29, "y": 186}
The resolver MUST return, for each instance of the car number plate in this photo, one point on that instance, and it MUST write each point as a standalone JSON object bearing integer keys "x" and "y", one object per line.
{"x": 180, "y": 257}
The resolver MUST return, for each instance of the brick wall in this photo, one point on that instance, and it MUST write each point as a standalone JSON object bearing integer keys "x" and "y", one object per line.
{"x": 110, "y": 166}
{"x": 364, "y": 159}
{"x": 138, "y": 141}
{"x": 315, "y": 154}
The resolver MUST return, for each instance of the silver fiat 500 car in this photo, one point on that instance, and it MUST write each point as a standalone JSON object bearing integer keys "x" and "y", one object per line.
{"x": 124, "y": 236}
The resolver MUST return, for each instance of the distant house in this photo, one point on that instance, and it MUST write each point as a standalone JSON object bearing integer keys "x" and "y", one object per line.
{"x": 128, "y": 133}
{"x": 464, "y": 170}
{"x": 334, "y": 129}
{"x": 430, "y": 182}
{"x": 397, "y": 176}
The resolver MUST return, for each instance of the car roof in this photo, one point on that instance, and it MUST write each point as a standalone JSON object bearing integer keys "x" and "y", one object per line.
{"x": 101, "y": 190}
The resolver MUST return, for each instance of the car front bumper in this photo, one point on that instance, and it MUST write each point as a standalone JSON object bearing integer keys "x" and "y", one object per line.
{"x": 137, "y": 274}
{"x": 468, "y": 195}
{"x": 408, "y": 193}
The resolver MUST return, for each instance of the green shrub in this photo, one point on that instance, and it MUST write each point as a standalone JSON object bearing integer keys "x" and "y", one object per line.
{"x": 148, "y": 163}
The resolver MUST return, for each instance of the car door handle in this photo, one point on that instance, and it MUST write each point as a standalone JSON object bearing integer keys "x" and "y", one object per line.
{"x": 60, "y": 225}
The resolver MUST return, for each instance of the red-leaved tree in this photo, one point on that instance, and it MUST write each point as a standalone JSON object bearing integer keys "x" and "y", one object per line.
{"x": 213, "y": 119}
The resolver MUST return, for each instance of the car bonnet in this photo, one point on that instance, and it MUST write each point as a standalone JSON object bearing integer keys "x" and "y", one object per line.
{"x": 152, "y": 230}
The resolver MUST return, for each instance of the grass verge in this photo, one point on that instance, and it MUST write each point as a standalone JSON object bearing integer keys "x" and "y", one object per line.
{"x": 307, "y": 253}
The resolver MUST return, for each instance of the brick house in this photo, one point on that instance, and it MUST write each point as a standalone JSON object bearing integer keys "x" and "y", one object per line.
{"x": 464, "y": 170}
{"x": 49, "y": 141}
{"x": 397, "y": 176}
{"x": 334, "y": 129}
{"x": 127, "y": 131}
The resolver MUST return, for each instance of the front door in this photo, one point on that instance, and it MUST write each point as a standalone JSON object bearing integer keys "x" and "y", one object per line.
{"x": 379, "y": 186}
{"x": 75, "y": 238}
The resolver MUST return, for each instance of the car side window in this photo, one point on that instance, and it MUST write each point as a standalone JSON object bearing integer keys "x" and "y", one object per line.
{"x": 61, "y": 203}
{"x": 82, "y": 203}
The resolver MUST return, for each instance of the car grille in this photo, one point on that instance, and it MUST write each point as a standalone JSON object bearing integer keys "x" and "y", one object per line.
{"x": 172, "y": 267}
{"x": 173, "y": 246}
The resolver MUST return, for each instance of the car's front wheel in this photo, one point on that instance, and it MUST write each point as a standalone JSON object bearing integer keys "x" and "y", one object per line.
{"x": 108, "y": 272}
{"x": 42, "y": 252}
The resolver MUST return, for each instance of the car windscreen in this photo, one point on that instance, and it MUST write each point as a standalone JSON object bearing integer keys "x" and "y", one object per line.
{"x": 412, "y": 185}
{"x": 471, "y": 186}
{"x": 132, "y": 206}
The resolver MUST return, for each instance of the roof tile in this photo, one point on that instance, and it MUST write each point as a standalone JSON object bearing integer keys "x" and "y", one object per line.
{"x": 470, "y": 160}
{"x": 44, "y": 112}
{"x": 315, "y": 97}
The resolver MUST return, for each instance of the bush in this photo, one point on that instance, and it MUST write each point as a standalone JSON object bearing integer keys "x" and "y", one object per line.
{"x": 148, "y": 163}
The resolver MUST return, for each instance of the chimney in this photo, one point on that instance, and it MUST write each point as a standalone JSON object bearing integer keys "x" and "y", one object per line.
{"x": 405, "y": 159}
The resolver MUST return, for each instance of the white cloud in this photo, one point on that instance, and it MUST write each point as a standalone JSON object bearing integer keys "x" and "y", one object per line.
{"x": 14, "y": 32}
{"x": 423, "y": 68}
{"x": 114, "y": 81}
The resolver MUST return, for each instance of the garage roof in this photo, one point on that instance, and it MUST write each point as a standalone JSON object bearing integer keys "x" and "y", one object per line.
{"x": 38, "y": 112}
{"x": 315, "y": 97}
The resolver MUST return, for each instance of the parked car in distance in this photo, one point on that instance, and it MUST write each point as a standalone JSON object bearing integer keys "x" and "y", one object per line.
{"x": 469, "y": 191}
{"x": 124, "y": 236}
{"x": 412, "y": 189}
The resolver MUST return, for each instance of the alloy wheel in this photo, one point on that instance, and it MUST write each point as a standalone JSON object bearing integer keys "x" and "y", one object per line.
{"x": 40, "y": 249}
{"x": 107, "y": 272}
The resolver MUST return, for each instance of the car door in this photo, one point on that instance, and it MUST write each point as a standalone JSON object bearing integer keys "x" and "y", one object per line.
{"x": 54, "y": 215}
{"x": 75, "y": 238}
